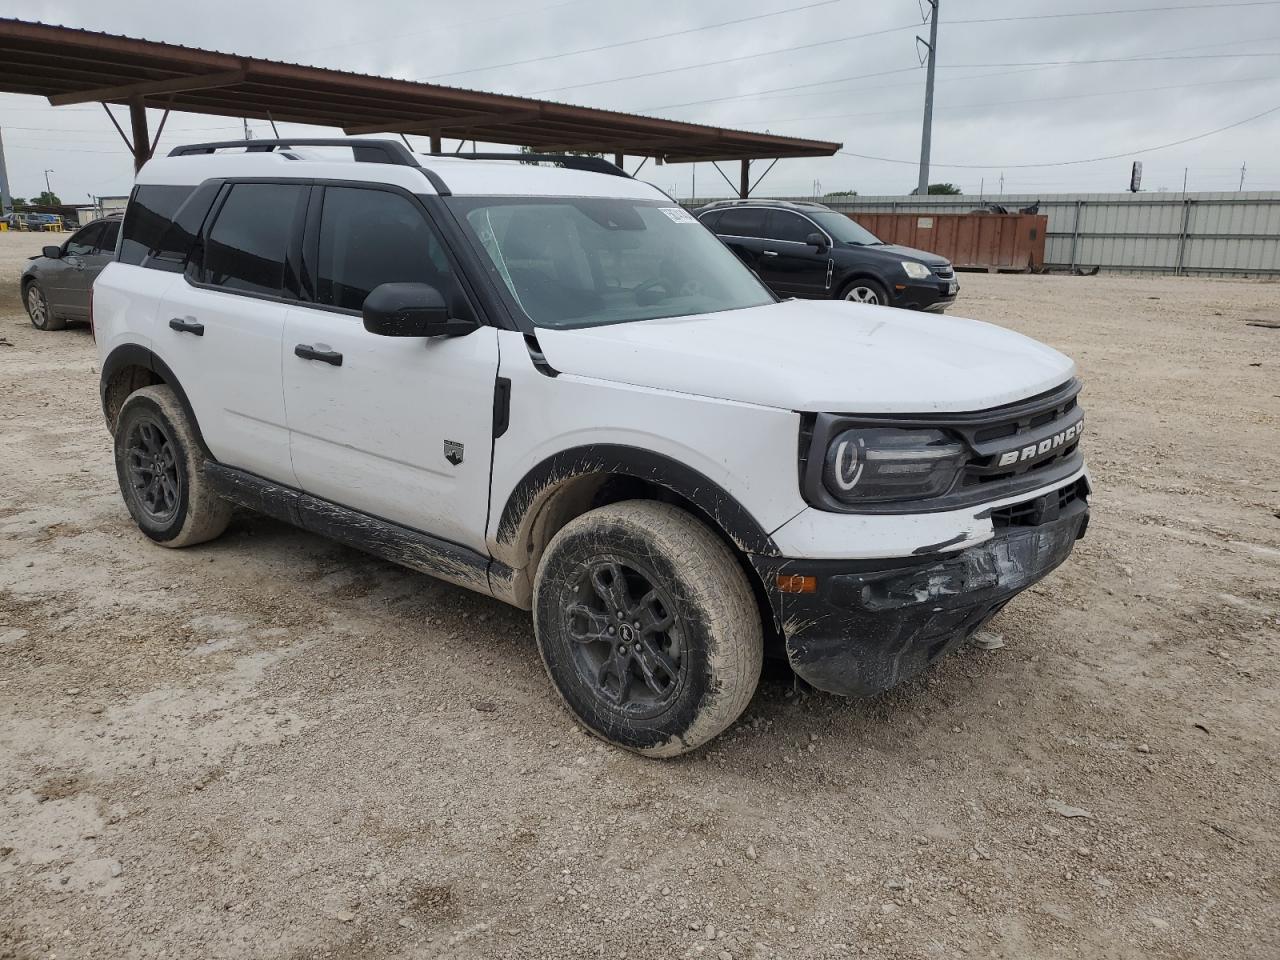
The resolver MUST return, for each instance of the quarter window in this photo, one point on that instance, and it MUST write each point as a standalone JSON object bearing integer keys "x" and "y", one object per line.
{"x": 371, "y": 237}
{"x": 147, "y": 218}
{"x": 249, "y": 240}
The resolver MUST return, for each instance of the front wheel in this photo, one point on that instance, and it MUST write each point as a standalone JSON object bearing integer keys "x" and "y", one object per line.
{"x": 42, "y": 317}
{"x": 647, "y": 626}
{"x": 865, "y": 291}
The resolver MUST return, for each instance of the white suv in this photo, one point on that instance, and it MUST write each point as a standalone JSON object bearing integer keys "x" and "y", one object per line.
{"x": 552, "y": 385}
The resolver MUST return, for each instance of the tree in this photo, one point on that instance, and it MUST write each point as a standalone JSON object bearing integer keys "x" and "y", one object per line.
{"x": 945, "y": 189}
{"x": 18, "y": 202}
{"x": 842, "y": 193}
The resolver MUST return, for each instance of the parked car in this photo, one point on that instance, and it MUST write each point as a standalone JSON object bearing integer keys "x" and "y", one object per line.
{"x": 555, "y": 387}
{"x": 808, "y": 250}
{"x": 55, "y": 286}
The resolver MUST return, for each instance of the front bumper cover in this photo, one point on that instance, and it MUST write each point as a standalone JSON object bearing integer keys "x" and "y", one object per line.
{"x": 873, "y": 624}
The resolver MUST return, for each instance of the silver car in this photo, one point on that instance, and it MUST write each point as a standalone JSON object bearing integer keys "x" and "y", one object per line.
{"x": 56, "y": 284}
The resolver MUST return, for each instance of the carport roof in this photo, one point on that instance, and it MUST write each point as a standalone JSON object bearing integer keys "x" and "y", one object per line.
{"x": 77, "y": 66}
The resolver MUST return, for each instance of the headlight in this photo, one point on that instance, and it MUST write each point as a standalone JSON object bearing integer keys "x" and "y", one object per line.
{"x": 916, "y": 271}
{"x": 879, "y": 463}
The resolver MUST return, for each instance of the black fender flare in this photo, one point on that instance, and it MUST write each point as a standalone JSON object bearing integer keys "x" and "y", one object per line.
{"x": 716, "y": 503}
{"x": 136, "y": 355}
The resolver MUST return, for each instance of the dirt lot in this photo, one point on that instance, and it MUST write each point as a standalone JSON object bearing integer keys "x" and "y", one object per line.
{"x": 273, "y": 746}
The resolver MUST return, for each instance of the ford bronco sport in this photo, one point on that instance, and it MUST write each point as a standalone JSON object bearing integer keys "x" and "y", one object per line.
{"x": 552, "y": 385}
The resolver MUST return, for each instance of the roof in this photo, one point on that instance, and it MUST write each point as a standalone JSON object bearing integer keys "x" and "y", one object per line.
{"x": 76, "y": 66}
{"x": 455, "y": 175}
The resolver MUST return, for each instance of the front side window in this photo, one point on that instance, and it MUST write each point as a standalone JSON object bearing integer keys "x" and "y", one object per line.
{"x": 572, "y": 262}
{"x": 82, "y": 243}
{"x": 249, "y": 240}
{"x": 371, "y": 237}
{"x": 784, "y": 225}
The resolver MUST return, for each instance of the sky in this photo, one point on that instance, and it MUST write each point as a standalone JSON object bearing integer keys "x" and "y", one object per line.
{"x": 1006, "y": 105}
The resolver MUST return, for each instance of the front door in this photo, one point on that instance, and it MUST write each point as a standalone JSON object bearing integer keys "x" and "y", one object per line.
{"x": 788, "y": 262}
{"x": 399, "y": 428}
{"x": 67, "y": 279}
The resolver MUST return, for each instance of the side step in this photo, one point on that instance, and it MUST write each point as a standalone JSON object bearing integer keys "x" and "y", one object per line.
{"x": 382, "y": 538}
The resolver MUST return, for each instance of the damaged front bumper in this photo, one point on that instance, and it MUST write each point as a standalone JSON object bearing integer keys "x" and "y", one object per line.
{"x": 858, "y": 627}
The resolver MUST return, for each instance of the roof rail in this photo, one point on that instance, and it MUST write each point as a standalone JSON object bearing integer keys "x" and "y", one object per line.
{"x": 569, "y": 160}
{"x": 364, "y": 151}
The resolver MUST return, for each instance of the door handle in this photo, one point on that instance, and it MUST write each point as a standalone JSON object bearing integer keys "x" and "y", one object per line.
{"x": 187, "y": 326}
{"x": 770, "y": 253}
{"x": 308, "y": 352}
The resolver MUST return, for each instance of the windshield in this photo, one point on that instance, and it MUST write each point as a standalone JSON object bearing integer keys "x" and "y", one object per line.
{"x": 842, "y": 229}
{"x": 573, "y": 262}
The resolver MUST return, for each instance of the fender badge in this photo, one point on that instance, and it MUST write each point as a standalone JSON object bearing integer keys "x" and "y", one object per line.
{"x": 453, "y": 452}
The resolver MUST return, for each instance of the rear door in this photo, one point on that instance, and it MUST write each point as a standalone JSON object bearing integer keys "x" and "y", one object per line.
{"x": 104, "y": 251}
{"x": 397, "y": 427}
{"x": 221, "y": 326}
{"x": 788, "y": 263}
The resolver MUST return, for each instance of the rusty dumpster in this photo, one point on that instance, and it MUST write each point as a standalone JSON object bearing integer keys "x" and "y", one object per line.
{"x": 971, "y": 241}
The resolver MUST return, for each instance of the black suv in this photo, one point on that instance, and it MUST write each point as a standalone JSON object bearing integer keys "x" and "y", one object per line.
{"x": 808, "y": 250}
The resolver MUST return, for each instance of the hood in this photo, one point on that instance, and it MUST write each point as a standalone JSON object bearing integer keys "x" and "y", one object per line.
{"x": 893, "y": 251}
{"x": 824, "y": 355}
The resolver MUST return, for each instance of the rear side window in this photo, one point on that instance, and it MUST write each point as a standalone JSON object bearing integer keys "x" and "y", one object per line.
{"x": 742, "y": 223}
{"x": 249, "y": 240}
{"x": 147, "y": 219}
{"x": 110, "y": 234}
{"x": 371, "y": 237}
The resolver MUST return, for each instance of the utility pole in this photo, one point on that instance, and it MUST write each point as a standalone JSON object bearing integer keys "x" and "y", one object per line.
{"x": 48, "y": 189}
{"x": 926, "y": 135}
{"x": 248, "y": 134}
{"x": 6, "y": 203}
{"x": 1241, "y": 187}
{"x": 1002, "y": 183}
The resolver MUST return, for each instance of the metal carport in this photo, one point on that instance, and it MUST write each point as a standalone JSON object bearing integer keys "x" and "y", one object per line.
{"x": 69, "y": 66}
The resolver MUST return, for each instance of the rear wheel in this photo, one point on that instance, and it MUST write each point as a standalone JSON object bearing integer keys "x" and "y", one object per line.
{"x": 42, "y": 317}
{"x": 159, "y": 464}
{"x": 647, "y": 627}
{"x": 865, "y": 291}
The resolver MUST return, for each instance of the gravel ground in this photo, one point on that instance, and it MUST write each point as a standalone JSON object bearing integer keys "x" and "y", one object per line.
{"x": 273, "y": 746}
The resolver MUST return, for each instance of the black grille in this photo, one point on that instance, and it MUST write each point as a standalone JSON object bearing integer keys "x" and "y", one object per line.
{"x": 1032, "y": 513}
{"x": 1041, "y": 434}
{"x": 944, "y": 273}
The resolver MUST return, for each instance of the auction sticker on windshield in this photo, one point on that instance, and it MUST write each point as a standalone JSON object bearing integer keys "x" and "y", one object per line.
{"x": 679, "y": 214}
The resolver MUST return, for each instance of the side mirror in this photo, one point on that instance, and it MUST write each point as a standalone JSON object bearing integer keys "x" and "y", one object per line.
{"x": 411, "y": 310}
{"x": 53, "y": 253}
{"x": 816, "y": 239}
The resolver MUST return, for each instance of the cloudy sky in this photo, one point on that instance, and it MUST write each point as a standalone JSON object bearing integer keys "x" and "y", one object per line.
{"x": 1006, "y": 102}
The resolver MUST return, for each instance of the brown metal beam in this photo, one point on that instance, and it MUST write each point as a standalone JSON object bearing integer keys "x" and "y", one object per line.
{"x": 141, "y": 139}
{"x": 149, "y": 88}
{"x": 438, "y": 125}
{"x": 744, "y": 179}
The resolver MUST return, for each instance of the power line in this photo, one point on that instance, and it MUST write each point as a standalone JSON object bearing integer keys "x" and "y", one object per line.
{"x": 1002, "y": 103}
{"x": 957, "y": 66}
{"x": 628, "y": 43}
{"x": 1069, "y": 163}
{"x": 907, "y": 26}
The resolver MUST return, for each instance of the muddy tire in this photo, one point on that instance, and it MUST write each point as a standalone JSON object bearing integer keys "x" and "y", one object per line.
{"x": 647, "y": 627}
{"x": 159, "y": 464}
{"x": 37, "y": 305}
